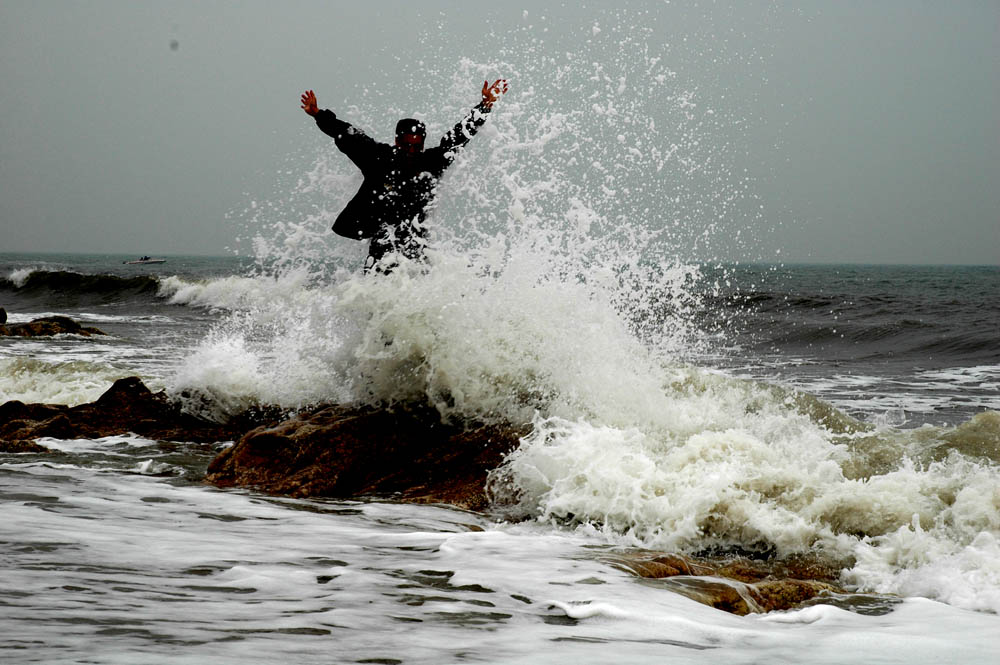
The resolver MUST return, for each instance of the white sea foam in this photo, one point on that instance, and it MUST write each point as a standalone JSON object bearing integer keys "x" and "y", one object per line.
{"x": 24, "y": 317}
{"x": 776, "y": 480}
{"x": 349, "y": 581}
{"x": 55, "y": 381}
{"x": 89, "y": 318}
{"x": 93, "y": 317}
{"x": 230, "y": 293}
{"x": 20, "y": 276}
{"x": 628, "y": 443}
{"x": 103, "y": 445}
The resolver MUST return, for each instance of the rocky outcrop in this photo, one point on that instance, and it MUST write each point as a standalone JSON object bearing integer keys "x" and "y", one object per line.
{"x": 406, "y": 454}
{"x": 128, "y": 406}
{"x": 336, "y": 451}
{"x": 46, "y": 327}
{"x": 333, "y": 451}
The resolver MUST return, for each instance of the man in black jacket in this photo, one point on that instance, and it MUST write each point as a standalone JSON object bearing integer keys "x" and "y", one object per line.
{"x": 400, "y": 180}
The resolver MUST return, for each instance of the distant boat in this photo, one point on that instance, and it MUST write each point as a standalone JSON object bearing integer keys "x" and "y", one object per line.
{"x": 144, "y": 260}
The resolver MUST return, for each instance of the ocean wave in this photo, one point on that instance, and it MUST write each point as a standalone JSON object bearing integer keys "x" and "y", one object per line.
{"x": 49, "y": 381}
{"x": 868, "y": 327}
{"x": 224, "y": 293}
{"x": 234, "y": 292}
{"x": 971, "y": 343}
{"x": 468, "y": 342}
{"x": 909, "y": 513}
{"x": 629, "y": 443}
{"x": 19, "y": 277}
{"x": 63, "y": 284}
{"x": 895, "y": 339}
{"x": 90, "y": 317}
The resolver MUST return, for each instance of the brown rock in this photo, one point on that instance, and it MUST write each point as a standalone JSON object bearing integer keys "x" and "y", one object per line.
{"x": 344, "y": 452}
{"x": 738, "y": 585}
{"x": 787, "y": 594}
{"x": 47, "y": 326}
{"x": 664, "y": 565}
{"x": 21, "y": 446}
{"x": 128, "y": 406}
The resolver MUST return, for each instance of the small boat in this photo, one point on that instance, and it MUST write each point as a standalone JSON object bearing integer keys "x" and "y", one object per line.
{"x": 144, "y": 260}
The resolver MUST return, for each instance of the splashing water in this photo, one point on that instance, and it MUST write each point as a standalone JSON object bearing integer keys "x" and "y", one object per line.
{"x": 574, "y": 214}
{"x": 561, "y": 289}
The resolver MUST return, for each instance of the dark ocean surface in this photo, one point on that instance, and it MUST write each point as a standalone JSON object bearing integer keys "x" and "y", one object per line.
{"x": 922, "y": 342}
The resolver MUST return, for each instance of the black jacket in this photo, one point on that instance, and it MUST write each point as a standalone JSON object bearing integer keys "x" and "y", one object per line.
{"x": 392, "y": 203}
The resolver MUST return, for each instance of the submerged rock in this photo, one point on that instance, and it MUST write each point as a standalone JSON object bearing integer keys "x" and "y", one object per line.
{"x": 337, "y": 451}
{"x": 46, "y": 327}
{"x": 737, "y": 585}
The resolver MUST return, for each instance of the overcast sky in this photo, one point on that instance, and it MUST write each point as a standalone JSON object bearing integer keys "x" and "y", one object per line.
{"x": 873, "y": 130}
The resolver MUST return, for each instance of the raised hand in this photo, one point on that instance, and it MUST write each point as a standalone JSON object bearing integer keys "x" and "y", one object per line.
{"x": 491, "y": 93}
{"x": 309, "y": 104}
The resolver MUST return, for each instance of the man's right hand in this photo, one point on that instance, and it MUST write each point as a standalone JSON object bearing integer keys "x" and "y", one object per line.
{"x": 491, "y": 93}
{"x": 309, "y": 104}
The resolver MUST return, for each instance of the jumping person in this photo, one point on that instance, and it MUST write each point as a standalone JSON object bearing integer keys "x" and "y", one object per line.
{"x": 400, "y": 180}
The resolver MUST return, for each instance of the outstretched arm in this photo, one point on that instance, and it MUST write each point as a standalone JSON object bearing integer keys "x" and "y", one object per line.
{"x": 466, "y": 129}
{"x": 352, "y": 141}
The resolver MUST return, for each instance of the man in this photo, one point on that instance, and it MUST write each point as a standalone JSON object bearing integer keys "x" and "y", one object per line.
{"x": 400, "y": 180}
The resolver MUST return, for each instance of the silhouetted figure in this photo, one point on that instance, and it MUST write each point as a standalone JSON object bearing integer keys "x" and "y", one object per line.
{"x": 400, "y": 179}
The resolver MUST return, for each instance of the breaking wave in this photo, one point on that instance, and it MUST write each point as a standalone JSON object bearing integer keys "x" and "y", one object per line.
{"x": 61, "y": 285}
{"x": 561, "y": 289}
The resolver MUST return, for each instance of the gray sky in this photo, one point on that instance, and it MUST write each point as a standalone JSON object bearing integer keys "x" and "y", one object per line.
{"x": 870, "y": 129}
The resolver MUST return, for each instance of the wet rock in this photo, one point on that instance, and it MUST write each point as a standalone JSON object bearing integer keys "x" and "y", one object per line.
{"x": 738, "y": 585}
{"x": 788, "y": 594}
{"x": 332, "y": 451}
{"x": 337, "y": 451}
{"x": 21, "y": 446}
{"x": 128, "y": 406}
{"x": 46, "y": 327}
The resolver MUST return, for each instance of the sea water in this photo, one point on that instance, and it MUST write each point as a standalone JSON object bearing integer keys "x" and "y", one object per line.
{"x": 115, "y": 551}
{"x": 581, "y": 278}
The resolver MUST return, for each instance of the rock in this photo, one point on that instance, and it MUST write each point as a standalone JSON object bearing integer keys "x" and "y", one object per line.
{"x": 47, "y": 326}
{"x": 21, "y": 446}
{"x": 737, "y": 585}
{"x": 788, "y": 594}
{"x": 128, "y": 406}
{"x": 339, "y": 451}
